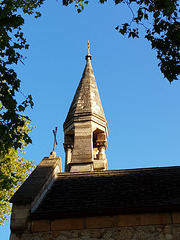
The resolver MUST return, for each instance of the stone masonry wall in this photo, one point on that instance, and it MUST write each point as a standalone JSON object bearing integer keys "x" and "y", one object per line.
{"x": 155, "y": 226}
{"x": 152, "y": 232}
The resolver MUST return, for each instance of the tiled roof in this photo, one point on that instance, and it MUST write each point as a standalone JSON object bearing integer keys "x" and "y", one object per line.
{"x": 112, "y": 192}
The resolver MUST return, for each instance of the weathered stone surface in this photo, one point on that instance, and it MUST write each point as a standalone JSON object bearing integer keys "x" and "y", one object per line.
{"x": 128, "y": 220}
{"x": 176, "y": 217}
{"x": 38, "y": 181}
{"x": 99, "y": 222}
{"x": 156, "y": 218}
{"x": 40, "y": 226}
{"x": 83, "y": 167}
{"x": 19, "y": 217}
{"x": 155, "y": 232}
{"x": 86, "y": 99}
{"x": 67, "y": 224}
{"x": 14, "y": 236}
{"x": 84, "y": 121}
{"x": 99, "y": 164}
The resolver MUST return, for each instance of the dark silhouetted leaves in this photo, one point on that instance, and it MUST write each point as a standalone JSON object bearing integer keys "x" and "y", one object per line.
{"x": 12, "y": 41}
{"x": 160, "y": 19}
{"x": 14, "y": 129}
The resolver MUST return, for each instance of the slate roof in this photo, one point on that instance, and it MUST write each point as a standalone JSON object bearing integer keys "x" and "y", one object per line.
{"x": 86, "y": 101}
{"x": 112, "y": 192}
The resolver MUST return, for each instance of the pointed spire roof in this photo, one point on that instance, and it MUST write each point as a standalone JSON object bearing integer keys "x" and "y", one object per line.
{"x": 86, "y": 101}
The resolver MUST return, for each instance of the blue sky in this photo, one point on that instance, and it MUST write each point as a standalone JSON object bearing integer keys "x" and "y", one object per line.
{"x": 141, "y": 107}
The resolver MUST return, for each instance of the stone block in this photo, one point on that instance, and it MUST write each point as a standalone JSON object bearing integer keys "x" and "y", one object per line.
{"x": 81, "y": 168}
{"x": 155, "y": 218}
{"x": 18, "y": 224}
{"x": 40, "y": 226}
{"x": 13, "y": 236}
{"x": 83, "y": 136}
{"x": 67, "y": 224}
{"x": 128, "y": 220}
{"x": 23, "y": 213}
{"x": 99, "y": 165}
{"x": 101, "y": 136}
{"x": 176, "y": 217}
{"x": 98, "y": 124}
{"x": 82, "y": 125}
{"x": 19, "y": 214}
{"x": 19, "y": 207}
{"x": 101, "y": 222}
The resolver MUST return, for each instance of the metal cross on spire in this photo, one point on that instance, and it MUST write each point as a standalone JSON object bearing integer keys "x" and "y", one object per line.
{"x": 88, "y": 47}
{"x": 55, "y": 140}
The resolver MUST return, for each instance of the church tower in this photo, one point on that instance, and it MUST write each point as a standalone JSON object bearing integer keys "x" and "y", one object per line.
{"x": 85, "y": 127}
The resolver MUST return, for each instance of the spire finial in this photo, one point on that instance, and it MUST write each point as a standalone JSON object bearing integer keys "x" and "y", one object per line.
{"x": 88, "y": 46}
{"x": 88, "y": 56}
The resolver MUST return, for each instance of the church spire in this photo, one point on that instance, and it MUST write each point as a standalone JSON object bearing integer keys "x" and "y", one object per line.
{"x": 85, "y": 127}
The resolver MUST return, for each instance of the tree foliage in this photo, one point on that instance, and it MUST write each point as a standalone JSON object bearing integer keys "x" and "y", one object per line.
{"x": 12, "y": 41}
{"x": 14, "y": 170}
{"x": 160, "y": 20}
{"x": 14, "y": 126}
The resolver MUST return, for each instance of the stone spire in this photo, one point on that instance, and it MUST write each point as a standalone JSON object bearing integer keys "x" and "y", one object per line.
{"x": 85, "y": 127}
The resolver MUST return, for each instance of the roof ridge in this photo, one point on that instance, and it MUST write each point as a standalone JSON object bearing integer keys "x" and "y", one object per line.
{"x": 112, "y": 172}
